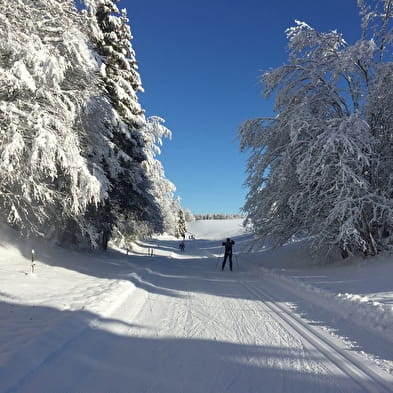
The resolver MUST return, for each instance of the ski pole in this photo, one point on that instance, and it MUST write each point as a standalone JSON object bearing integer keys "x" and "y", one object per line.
{"x": 218, "y": 260}
{"x": 237, "y": 262}
{"x": 219, "y": 257}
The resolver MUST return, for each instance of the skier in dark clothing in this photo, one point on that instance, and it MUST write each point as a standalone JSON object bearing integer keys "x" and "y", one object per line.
{"x": 182, "y": 246}
{"x": 228, "y": 253}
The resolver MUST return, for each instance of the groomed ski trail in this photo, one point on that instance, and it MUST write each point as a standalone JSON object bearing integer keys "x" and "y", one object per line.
{"x": 233, "y": 337}
{"x": 189, "y": 329}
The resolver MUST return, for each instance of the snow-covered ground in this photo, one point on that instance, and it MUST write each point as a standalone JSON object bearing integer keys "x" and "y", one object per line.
{"x": 282, "y": 321}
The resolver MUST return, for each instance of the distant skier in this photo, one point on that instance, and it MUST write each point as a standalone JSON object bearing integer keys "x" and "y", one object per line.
{"x": 228, "y": 253}
{"x": 182, "y": 246}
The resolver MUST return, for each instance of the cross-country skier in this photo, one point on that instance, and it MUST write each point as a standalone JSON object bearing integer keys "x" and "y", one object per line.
{"x": 182, "y": 246}
{"x": 228, "y": 253}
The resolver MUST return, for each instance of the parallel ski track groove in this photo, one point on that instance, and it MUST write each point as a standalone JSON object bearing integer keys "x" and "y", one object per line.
{"x": 360, "y": 373}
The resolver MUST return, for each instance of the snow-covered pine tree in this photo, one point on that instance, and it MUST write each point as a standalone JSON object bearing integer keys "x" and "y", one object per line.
{"x": 181, "y": 224}
{"x": 162, "y": 189}
{"x": 47, "y": 76}
{"x": 315, "y": 168}
{"x": 131, "y": 202}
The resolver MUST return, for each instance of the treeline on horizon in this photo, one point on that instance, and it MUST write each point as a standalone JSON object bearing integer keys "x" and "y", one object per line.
{"x": 218, "y": 216}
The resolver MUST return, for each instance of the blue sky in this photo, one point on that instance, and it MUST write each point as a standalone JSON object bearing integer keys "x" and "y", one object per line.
{"x": 200, "y": 64}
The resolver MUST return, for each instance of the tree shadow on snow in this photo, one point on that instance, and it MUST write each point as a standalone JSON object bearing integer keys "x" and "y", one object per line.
{"x": 61, "y": 353}
{"x": 163, "y": 275}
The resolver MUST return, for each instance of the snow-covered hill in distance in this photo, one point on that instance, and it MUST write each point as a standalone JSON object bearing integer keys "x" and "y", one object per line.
{"x": 216, "y": 229}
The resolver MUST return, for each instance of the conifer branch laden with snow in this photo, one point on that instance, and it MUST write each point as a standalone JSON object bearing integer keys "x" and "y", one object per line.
{"x": 46, "y": 74}
{"x": 77, "y": 153}
{"x": 140, "y": 196}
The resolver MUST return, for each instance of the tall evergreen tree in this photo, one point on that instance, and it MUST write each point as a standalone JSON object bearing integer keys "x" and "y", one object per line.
{"x": 47, "y": 78}
{"x": 77, "y": 154}
{"x": 161, "y": 188}
{"x": 181, "y": 224}
{"x": 130, "y": 198}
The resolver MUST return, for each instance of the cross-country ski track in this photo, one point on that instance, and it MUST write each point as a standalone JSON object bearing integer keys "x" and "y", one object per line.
{"x": 180, "y": 325}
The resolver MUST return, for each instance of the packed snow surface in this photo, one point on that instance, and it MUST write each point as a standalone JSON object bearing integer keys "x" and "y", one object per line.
{"x": 173, "y": 322}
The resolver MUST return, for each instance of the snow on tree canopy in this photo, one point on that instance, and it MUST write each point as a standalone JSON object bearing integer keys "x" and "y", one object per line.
{"x": 77, "y": 153}
{"x": 46, "y": 69}
{"x": 140, "y": 198}
{"x": 322, "y": 167}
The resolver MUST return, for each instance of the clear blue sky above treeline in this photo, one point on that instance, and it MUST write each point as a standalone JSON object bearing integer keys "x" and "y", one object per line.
{"x": 200, "y": 64}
